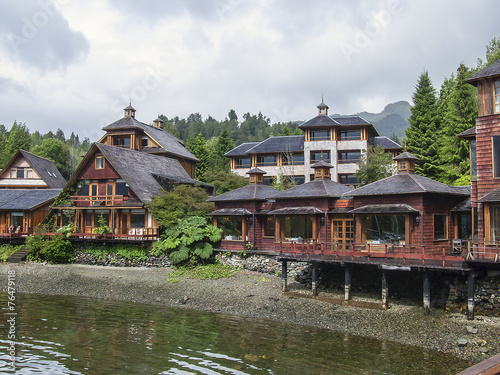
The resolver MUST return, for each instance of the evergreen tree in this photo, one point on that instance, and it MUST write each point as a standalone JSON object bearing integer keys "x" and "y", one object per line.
{"x": 218, "y": 148}
{"x": 197, "y": 146}
{"x": 421, "y": 136}
{"x": 459, "y": 114}
{"x": 375, "y": 165}
{"x": 18, "y": 138}
{"x": 57, "y": 151}
{"x": 224, "y": 180}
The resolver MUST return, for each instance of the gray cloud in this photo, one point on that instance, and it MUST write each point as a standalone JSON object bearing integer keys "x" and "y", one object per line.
{"x": 35, "y": 34}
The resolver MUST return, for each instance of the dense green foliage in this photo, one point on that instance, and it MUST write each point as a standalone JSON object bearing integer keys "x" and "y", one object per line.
{"x": 7, "y": 250}
{"x": 189, "y": 241}
{"x": 375, "y": 165}
{"x": 224, "y": 180}
{"x": 124, "y": 251}
{"x": 54, "y": 249}
{"x": 204, "y": 272}
{"x": 180, "y": 202}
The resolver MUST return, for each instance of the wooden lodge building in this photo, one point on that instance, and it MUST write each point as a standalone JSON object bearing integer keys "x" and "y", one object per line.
{"x": 401, "y": 223}
{"x": 122, "y": 173}
{"x": 28, "y": 186}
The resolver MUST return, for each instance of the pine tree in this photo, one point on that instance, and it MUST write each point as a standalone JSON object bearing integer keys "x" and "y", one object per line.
{"x": 19, "y": 137}
{"x": 375, "y": 165}
{"x": 218, "y": 148}
{"x": 459, "y": 114}
{"x": 421, "y": 136}
{"x": 197, "y": 146}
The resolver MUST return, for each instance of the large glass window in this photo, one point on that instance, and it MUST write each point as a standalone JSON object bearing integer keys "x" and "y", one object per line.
{"x": 243, "y": 162}
{"x": 495, "y": 223}
{"x": 16, "y": 219}
{"x": 122, "y": 142}
{"x": 99, "y": 162}
{"x": 269, "y": 226}
{"x": 137, "y": 218}
{"x": 497, "y": 95}
{"x": 496, "y": 156}
{"x": 381, "y": 229}
{"x": 121, "y": 187}
{"x": 348, "y": 179}
{"x": 296, "y": 228}
{"x": 320, "y": 155}
{"x": 320, "y": 135}
{"x": 346, "y": 157}
{"x": 350, "y": 135}
{"x": 266, "y": 160}
{"x": 293, "y": 159}
{"x": 232, "y": 227}
{"x": 440, "y": 227}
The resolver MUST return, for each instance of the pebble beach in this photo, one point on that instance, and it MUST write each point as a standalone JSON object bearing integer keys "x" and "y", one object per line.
{"x": 254, "y": 294}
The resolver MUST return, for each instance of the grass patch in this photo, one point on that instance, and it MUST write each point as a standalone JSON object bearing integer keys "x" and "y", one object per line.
{"x": 7, "y": 250}
{"x": 204, "y": 272}
{"x": 125, "y": 251}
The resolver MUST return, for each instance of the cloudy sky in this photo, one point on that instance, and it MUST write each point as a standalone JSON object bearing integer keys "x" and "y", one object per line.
{"x": 75, "y": 64}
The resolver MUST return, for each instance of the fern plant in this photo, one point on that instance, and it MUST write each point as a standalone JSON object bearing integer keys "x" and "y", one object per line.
{"x": 189, "y": 241}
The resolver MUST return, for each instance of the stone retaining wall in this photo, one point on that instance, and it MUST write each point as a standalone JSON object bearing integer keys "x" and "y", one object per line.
{"x": 117, "y": 261}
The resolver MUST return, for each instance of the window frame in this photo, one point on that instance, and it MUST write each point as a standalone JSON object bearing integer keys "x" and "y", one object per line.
{"x": 269, "y": 221}
{"x": 99, "y": 158}
{"x": 445, "y": 227}
{"x": 239, "y": 165}
{"x": 346, "y": 176}
{"x": 327, "y": 137}
{"x": 496, "y": 96}
{"x": 344, "y": 135}
{"x": 341, "y": 160}
{"x": 274, "y": 163}
{"x": 322, "y": 153}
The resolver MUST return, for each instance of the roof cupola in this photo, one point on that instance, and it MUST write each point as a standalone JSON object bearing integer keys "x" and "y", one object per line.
{"x": 158, "y": 123}
{"x": 406, "y": 162}
{"x": 256, "y": 176}
{"x": 322, "y": 107}
{"x": 129, "y": 111}
{"x": 321, "y": 170}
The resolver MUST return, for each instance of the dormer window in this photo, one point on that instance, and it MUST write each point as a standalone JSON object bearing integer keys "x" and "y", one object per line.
{"x": 99, "y": 162}
{"x": 496, "y": 86}
{"x": 21, "y": 172}
{"x": 144, "y": 141}
{"x": 122, "y": 142}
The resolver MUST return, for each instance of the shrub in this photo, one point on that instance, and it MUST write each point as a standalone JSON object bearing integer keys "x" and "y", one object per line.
{"x": 7, "y": 250}
{"x": 128, "y": 252}
{"x": 54, "y": 249}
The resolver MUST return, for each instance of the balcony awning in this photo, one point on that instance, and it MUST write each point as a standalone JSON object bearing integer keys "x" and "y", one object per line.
{"x": 399, "y": 208}
{"x": 491, "y": 197}
{"x": 306, "y": 210}
{"x": 231, "y": 212}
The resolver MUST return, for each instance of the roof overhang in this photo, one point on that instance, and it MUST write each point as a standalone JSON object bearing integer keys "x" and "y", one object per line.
{"x": 385, "y": 209}
{"x": 231, "y": 212}
{"x": 306, "y": 210}
{"x": 491, "y": 197}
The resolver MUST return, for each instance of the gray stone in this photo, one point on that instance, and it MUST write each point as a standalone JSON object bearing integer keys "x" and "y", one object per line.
{"x": 462, "y": 342}
{"x": 471, "y": 329}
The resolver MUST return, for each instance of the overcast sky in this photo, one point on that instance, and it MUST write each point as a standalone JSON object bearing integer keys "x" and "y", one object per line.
{"x": 75, "y": 64}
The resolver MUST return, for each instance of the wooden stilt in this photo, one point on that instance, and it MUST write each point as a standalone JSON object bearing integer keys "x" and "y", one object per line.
{"x": 347, "y": 283}
{"x": 427, "y": 293}
{"x": 470, "y": 296}
{"x": 315, "y": 279}
{"x": 385, "y": 289}
{"x": 284, "y": 275}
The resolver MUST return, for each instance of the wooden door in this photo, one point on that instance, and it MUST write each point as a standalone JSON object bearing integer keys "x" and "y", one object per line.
{"x": 342, "y": 233}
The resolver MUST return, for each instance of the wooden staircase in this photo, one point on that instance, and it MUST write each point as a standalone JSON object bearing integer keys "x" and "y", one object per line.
{"x": 19, "y": 255}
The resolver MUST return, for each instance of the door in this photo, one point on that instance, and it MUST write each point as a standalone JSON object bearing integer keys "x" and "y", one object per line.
{"x": 342, "y": 233}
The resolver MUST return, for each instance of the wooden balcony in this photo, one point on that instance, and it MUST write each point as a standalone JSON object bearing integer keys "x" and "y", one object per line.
{"x": 98, "y": 200}
{"x": 119, "y": 234}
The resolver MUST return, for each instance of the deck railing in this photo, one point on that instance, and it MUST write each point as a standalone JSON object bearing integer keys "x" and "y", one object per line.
{"x": 139, "y": 234}
{"x": 11, "y": 232}
{"x": 98, "y": 200}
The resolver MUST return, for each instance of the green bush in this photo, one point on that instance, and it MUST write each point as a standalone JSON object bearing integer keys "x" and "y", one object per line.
{"x": 128, "y": 252}
{"x": 54, "y": 249}
{"x": 7, "y": 250}
{"x": 189, "y": 241}
{"x": 203, "y": 272}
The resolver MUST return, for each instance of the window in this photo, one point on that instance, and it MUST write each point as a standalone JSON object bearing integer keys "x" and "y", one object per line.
{"x": 20, "y": 173}
{"x": 144, "y": 141}
{"x": 88, "y": 219}
{"x": 348, "y": 179}
{"x": 293, "y": 159}
{"x": 268, "y": 180}
{"x": 13, "y": 173}
{"x": 382, "y": 229}
{"x": 137, "y": 218}
{"x": 297, "y": 180}
{"x": 122, "y": 142}
{"x": 440, "y": 227}
{"x": 346, "y": 157}
{"x": 84, "y": 189}
{"x": 495, "y": 223}
{"x": 320, "y": 155}
{"x": 297, "y": 228}
{"x": 109, "y": 188}
{"x": 496, "y": 156}
{"x": 232, "y": 227}
{"x": 243, "y": 163}
{"x": 350, "y": 135}
{"x": 99, "y": 162}
{"x": 473, "y": 161}
{"x": 320, "y": 135}
{"x": 269, "y": 226}
{"x": 16, "y": 219}
{"x": 496, "y": 84}
{"x": 29, "y": 173}
{"x": 266, "y": 160}
{"x": 121, "y": 187}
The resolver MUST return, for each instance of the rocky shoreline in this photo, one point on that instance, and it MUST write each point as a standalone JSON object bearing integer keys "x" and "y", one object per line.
{"x": 255, "y": 294}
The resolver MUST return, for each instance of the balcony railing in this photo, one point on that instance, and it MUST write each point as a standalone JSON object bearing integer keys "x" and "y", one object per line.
{"x": 98, "y": 200}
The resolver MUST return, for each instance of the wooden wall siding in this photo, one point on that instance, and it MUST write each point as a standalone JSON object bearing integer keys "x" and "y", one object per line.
{"x": 485, "y": 97}
{"x": 341, "y": 203}
{"x": 90, "y": 173}
{"x": 486, "y": 127}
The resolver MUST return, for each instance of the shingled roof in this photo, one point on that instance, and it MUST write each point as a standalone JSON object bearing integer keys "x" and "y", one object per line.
{"x": 314, "y": 189}
{"x": 325, "y": 121}
{"x": 469, "y": 133}
{"x": 167, "y": 141}
{"x": 252, "y": 192}
{"x": 492, "y": 196}
{"x": 290, "y": 143}
{"x": 26, "y": 199}
{"x": 386, "y": 143}
{"x": 492, "y": 70}
{"x": 407, "y": 183}
{"x": 242, "y": 149}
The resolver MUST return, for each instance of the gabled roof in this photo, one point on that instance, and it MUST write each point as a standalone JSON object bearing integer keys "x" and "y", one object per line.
{"x": 167, "y": 141}
{"x": 321, "y": 121}
{"x": 242, "y": 149}
{"x": 26, "y": 199}
{"x": 255, "y": 192}
{"x": 406, "y": 156}
{"x": 314, "y": 189}
{"x": 144, "y": 173}
{"x": 386, "y": 143}
{"x": 492, "y": 70}
{"x": 289, "y": 143}
{"x": 45, "y": 168}
{"x": 407, "y": 183}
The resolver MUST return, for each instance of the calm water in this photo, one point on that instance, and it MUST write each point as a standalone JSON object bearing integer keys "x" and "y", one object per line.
{"x": 74, "y": 335}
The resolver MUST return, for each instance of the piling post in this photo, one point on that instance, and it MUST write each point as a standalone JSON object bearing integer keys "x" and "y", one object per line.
{"x": 427, "y": 293}
{"x": 284, "y": 275}
{"x": 385, "y": 289}
{"x": 315, "y": 279}
{"x": 470, "y": 296}
{"x": 347, "y": 283}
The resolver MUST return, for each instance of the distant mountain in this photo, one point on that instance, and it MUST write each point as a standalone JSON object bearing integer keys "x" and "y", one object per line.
{"x": 392, "y": 120}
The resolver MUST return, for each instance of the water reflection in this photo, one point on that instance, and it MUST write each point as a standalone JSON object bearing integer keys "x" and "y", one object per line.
{"x": 74, "y": 335}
